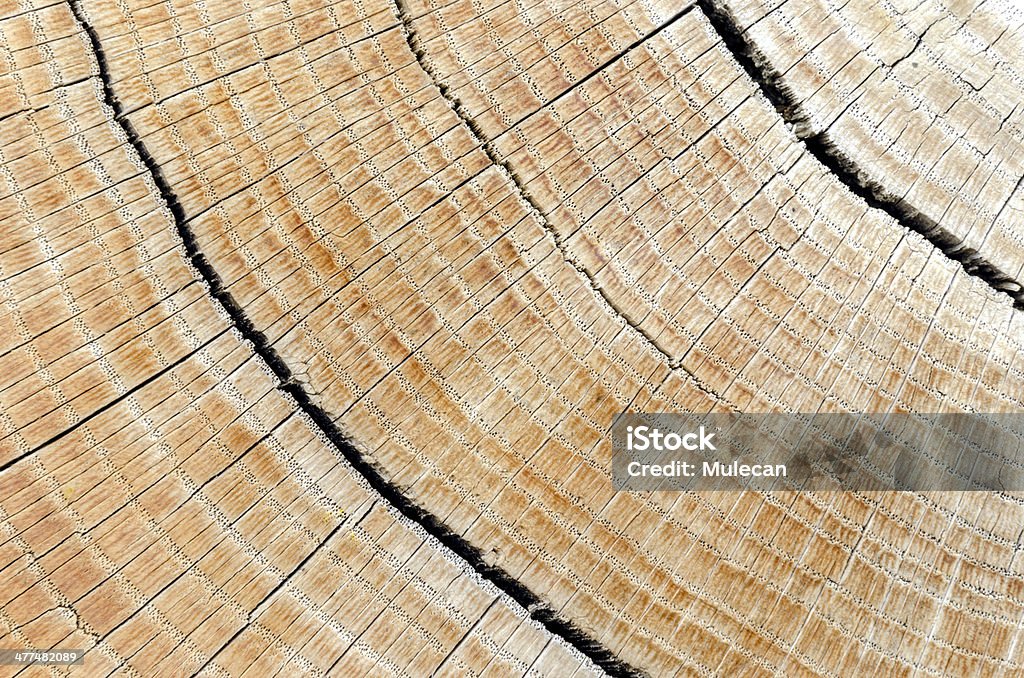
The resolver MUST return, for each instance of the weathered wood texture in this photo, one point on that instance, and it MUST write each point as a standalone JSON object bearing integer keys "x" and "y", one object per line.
{"x": 162, "y": 504}
{"x": 924, "y": 99}
{"x": 472, "y": 256}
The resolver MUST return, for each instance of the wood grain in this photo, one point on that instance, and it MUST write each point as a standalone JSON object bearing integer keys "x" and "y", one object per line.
{"x": 472, "y": 233}
{"x": 164, "y": 505}
{"x": 921, "y": 100}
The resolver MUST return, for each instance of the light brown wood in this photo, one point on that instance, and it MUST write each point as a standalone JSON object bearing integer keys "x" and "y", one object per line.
{"x": 474, "y": 232}
{"x": 922, "y": 98}
{"x": 168, "y": 509}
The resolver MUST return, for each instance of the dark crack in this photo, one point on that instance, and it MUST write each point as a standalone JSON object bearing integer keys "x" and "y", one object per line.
{"x": 390, "y": 492}
{"x": 826, "y": 152}
{"x": 487, "y": 146}
{"x": 572, "y": 634}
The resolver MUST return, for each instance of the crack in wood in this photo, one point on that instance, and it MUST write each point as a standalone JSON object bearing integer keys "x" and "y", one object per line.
{"x": 260, "y": 607}
{"x": 534, "y": 607}
{"x": 826, "y": 152}
{"x": 502, "y": 165}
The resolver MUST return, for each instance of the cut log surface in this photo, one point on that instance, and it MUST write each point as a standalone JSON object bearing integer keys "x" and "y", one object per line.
{"x": 164, "y": 506}
{"x": 316, "y": 317}
{"x": 923, "y": 101}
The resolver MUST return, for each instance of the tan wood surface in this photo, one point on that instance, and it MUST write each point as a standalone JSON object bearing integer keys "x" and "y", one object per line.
{"x": 924, "y": 100}
{"x": 473, "y": 232}
{"x": 164, "y": 506}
